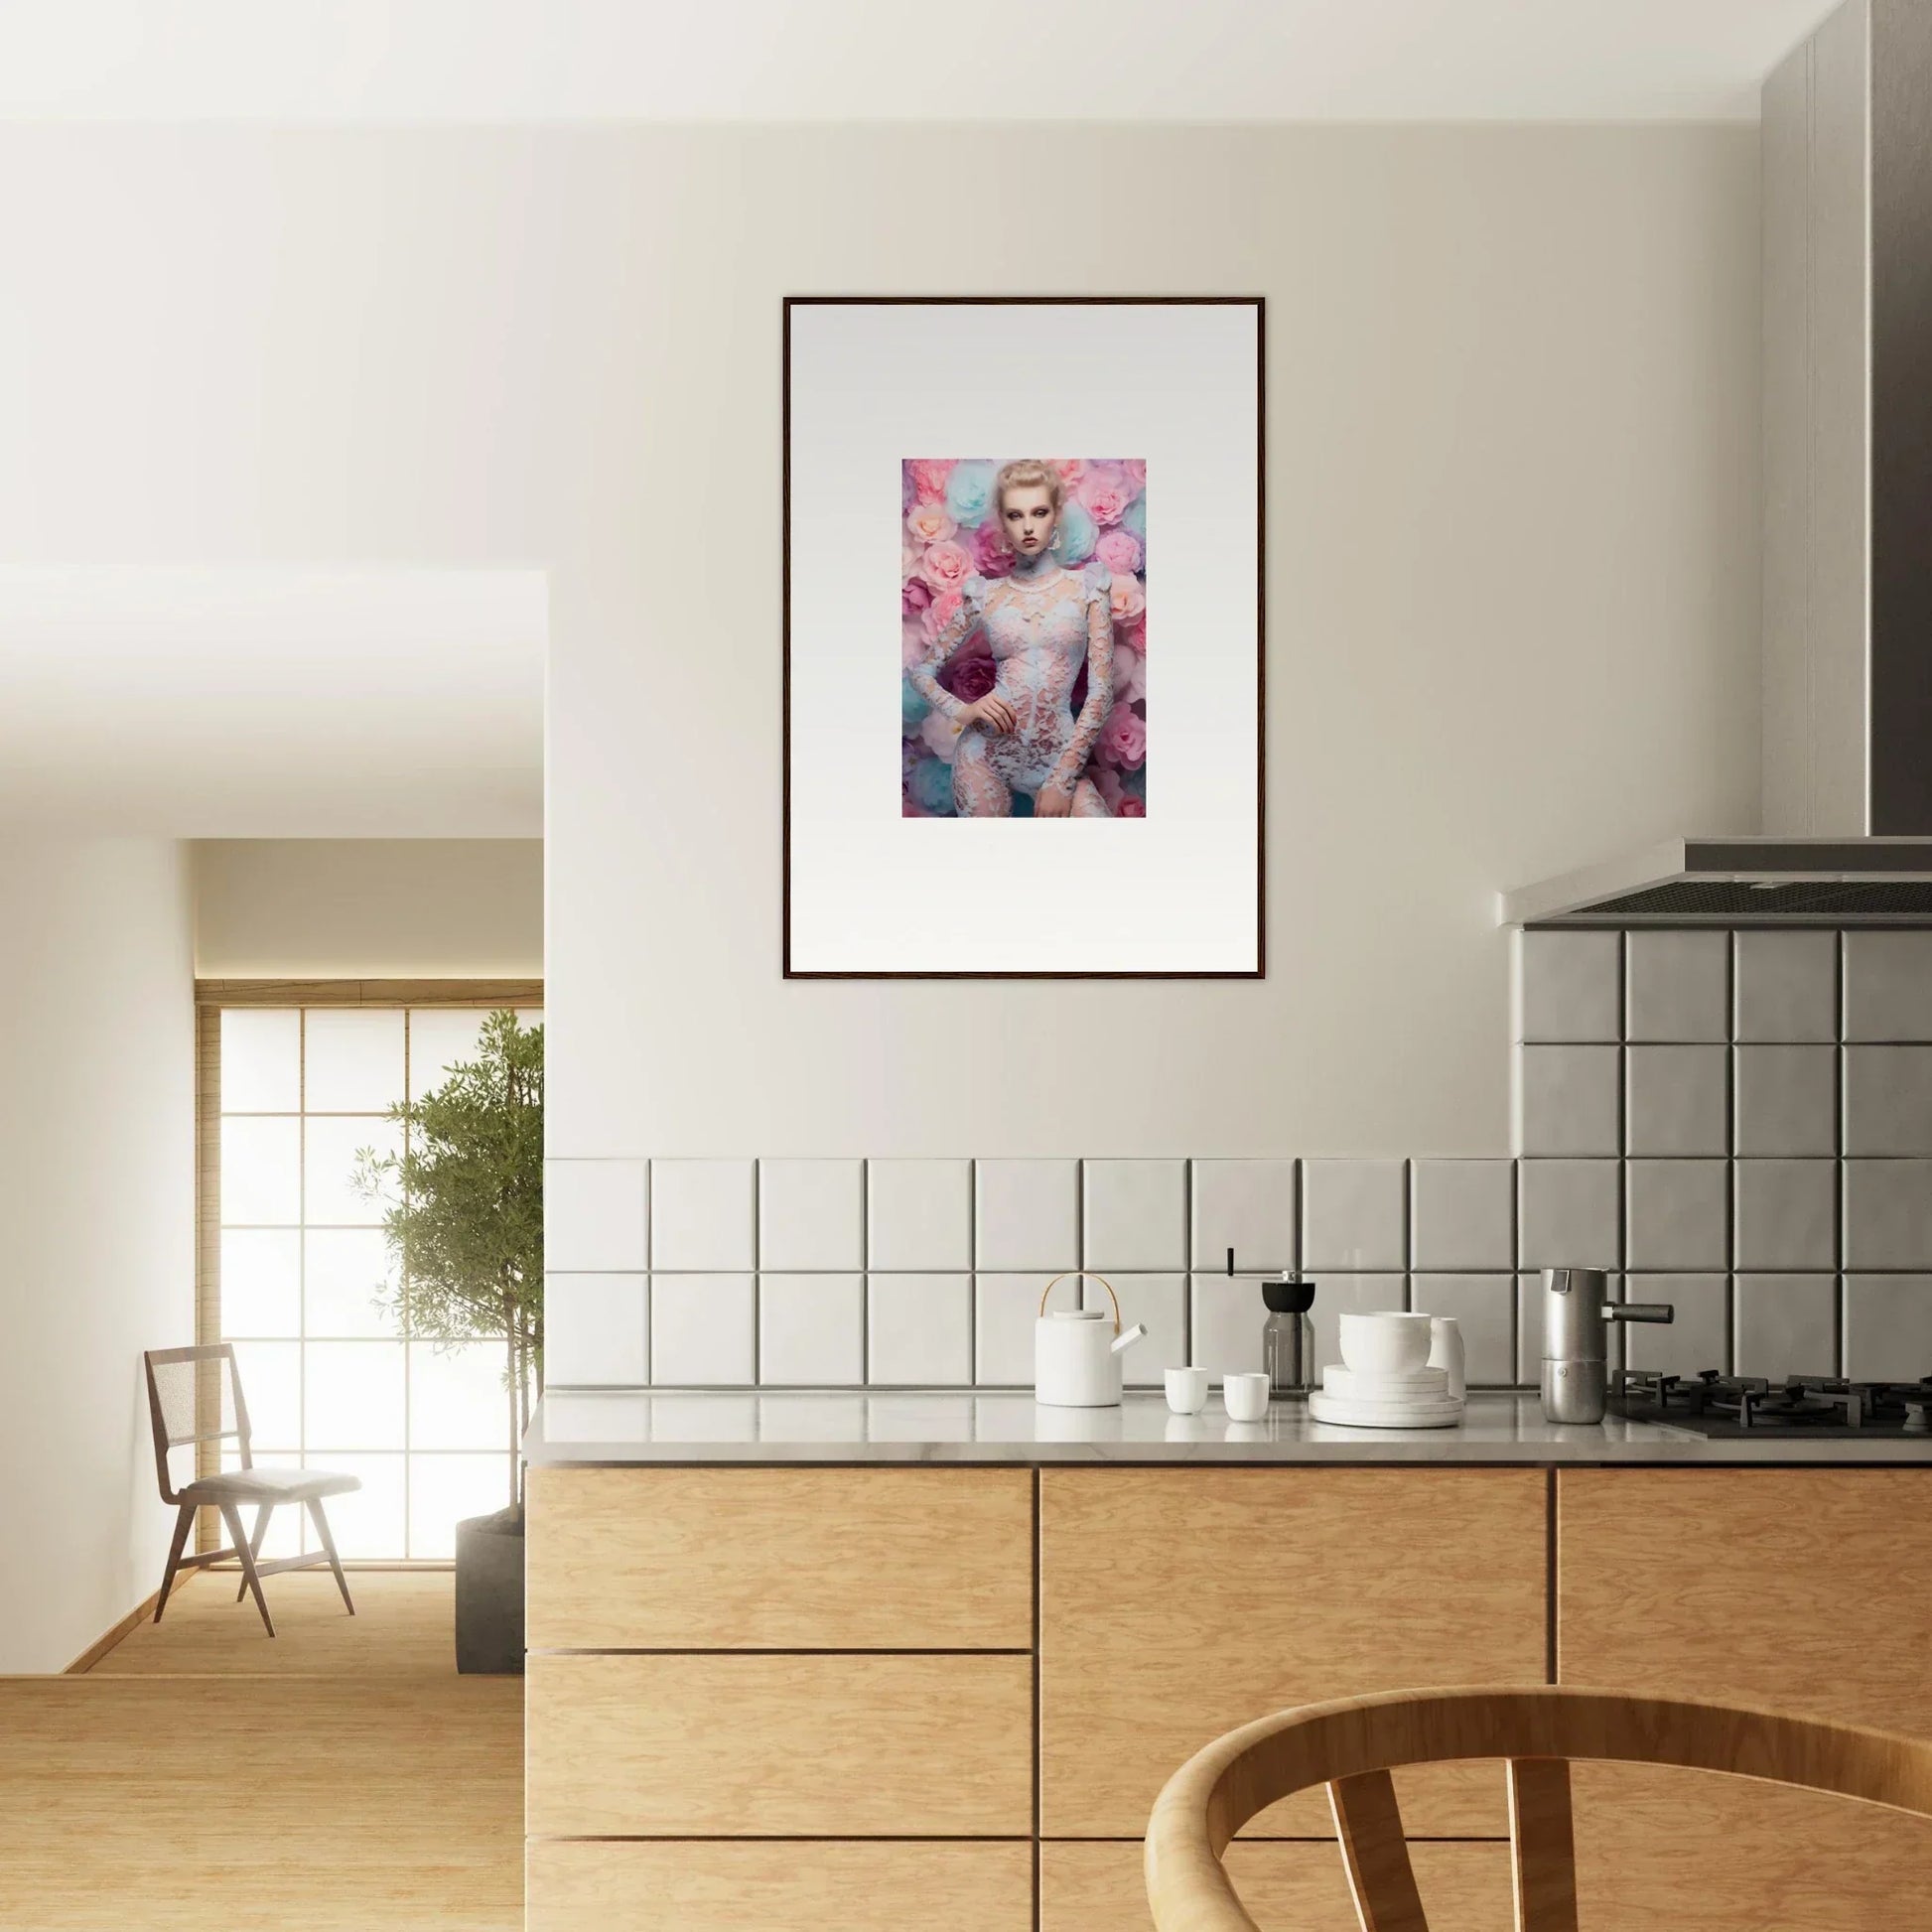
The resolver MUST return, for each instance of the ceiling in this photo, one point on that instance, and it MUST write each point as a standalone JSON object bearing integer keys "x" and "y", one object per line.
{"x": 259, "y": 703}
{"x": 882, "y": 60}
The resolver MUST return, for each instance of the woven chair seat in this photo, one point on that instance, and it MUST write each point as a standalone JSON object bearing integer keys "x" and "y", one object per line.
{"x": 268, "y": 1486}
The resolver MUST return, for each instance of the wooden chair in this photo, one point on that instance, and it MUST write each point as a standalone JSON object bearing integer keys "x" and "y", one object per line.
{"x": 195, "y": 1396}
{"x": 1352, "y": 1744}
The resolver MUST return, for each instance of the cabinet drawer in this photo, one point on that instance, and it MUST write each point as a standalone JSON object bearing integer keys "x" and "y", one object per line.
{"x": 1463, "y": 1887}
{"x": 780, "y": 1559}
{"x": 812, "y": 1746}
{"x": 1176, "y": 1604}
{"x": 809, "y": 1886}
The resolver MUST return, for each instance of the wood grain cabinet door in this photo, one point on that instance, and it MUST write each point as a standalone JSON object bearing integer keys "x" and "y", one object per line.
{"x": 722, "y": 1559}
{"x": 1176, "y": 1604}
{"x": 1805, "y": 1591}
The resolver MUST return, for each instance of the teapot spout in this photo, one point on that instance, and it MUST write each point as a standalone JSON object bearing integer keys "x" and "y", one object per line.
{"x": 1138, "y": 1333}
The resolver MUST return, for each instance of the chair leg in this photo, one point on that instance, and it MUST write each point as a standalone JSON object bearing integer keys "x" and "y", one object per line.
{"x": 184, "y": 1522}
{"x": 231, "y": 1515}
{"x": 328, "y": 1544}
{"x": 262, "y": 1513}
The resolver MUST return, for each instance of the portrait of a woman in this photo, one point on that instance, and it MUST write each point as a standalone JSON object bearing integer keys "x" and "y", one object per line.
{"x": 1013, "y": 659}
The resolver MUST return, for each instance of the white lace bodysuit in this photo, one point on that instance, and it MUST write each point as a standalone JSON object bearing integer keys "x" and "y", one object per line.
{"x": 1042, "y": 623}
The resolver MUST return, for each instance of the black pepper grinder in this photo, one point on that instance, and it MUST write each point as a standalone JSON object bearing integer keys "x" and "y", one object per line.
{"x": 1288, "y": 1336}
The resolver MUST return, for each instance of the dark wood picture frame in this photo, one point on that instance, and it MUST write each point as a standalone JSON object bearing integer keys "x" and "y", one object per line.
{"x": 1259, "y": 304}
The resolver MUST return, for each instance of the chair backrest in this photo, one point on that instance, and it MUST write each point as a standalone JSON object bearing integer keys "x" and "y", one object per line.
{"x": 193, "y": 1396}
{"x": 1352, "y": 1744}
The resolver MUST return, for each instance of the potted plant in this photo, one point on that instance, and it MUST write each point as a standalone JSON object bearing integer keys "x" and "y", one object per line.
{"x": 463, "y": 1211}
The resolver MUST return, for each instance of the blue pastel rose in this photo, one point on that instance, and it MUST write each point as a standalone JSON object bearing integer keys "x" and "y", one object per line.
{"x": 1133, "y": 518}
{"x": 969, "y": 493}
{"x": 1078, "y": 535}
{"x": 932, "y": 786}
{"x": 912, "y": 707}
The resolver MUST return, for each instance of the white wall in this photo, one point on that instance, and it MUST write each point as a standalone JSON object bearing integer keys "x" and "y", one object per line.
{"x": 385, "y": 909}
{"x": 97, "y": 1204}
{"x": 1512, "y": 549}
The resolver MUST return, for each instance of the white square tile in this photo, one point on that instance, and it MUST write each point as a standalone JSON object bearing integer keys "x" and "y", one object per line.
{"x": 811, "y": 1215}
{"x": 702, "y": 1330}
{"x": 1697, "y": 1335}
{"x": 1888, "y": 1214}
{"x": 1354, "y": 1214}
{"x": 1888, "y": 1327}
{"x": 1889, "y": 1100}
{"x": 1566, "y": 985}
{"x": 1787, "y": 1099}
{"x": 1246, "y": 1205}
{"x": 595, "y": 1215}
{"x": 1483, "y": 1306}
{"x": 1786, "y": 986}
{"x": 811, "y": 1330}
{"x": 1677, "y": 986}
{"x": 922, "y": 1329}
{"x": 594, "y": 1330}
{"x": 1888, "y": 986}
{"x": 1161, "y": 1302}
{"x": 1461, "y": 1215}
{"x": 1677, "y": 1215}
{"x": 1005, "y": 1309}
{"x": 1677, "y": 1100}
{"x": 919, "y": 1214}
{"x": 1567, "y": 1100}
{"x": 1786, "y": 1324}
{"x": 1028, "y": 1215}
{"x": 1568, "y": 1211}
{"x": 1354, "y": 1294}
{"x": 1226, "y": 1318}
{"x": 1785, "y": 1215}
{"x": 1136, "y": 1213}
{"x": 702, "y": 1215}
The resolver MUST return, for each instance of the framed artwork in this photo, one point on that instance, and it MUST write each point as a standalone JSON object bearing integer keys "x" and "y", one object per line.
{"x": 1022, "y": 582}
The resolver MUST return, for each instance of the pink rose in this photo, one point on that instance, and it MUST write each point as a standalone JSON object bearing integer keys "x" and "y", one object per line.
{"x": 1129, "y": 599}
{"x": 930, "y": 523}
{"x": 913, "y": 595}
{"x": 1132, "y": 808}
{"x": 1105, "y": 494}
{"x": 1134, "y": 469}
{"x": 1125, "y": 737}
{"x": 940, "y": 612}
{"x": 941, "y": 736}
{"x": 989, "y": 551}
{"x": 909, "y": 554}
{"x": 1130, "y": 674}
{"x": 970, "y": 678}
{"x": 1070, "y": 470}
{"x": 929, "y": 475}
{"x": 1106, "y": 782}
{"x": 945, "y": 566}
{"x": 1134, "y": 634}
{"x": 1120, "y": 551}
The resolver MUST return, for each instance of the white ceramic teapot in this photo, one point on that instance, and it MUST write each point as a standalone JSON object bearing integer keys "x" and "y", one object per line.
{"x": 1077, "y": 1351}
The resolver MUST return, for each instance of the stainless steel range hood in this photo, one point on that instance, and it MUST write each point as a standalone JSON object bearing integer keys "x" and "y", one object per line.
{"x": 1847, "y": 762}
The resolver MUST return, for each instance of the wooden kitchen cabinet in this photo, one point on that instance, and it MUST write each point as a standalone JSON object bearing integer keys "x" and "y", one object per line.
{"x": 1805, "y": 1591}
{"x": 1178, "y": 1603}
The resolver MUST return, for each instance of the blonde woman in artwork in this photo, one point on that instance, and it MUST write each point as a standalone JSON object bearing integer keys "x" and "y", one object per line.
{"x": 1042, "y": 621}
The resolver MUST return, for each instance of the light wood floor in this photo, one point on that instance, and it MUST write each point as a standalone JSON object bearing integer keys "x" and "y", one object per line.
{"x": 343, "y": 1776}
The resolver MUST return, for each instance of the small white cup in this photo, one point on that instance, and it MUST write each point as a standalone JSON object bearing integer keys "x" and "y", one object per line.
{"x": 1246, "y": 1396}
{"x": 1186, "y": 1390}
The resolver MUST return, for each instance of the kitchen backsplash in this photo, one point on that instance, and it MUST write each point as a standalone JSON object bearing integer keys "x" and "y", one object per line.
{"x": 1740, "y": 1123}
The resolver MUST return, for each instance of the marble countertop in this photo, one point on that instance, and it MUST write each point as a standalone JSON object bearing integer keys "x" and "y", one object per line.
{"x": 992, "y": 1427}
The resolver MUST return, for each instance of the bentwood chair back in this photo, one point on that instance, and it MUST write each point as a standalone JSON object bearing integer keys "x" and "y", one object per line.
{"x": 194, "y": 1397}
{"x": 1352, "y": 1745}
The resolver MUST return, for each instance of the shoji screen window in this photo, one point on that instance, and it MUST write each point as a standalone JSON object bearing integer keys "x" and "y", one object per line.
{"x": 307, "y": 1288}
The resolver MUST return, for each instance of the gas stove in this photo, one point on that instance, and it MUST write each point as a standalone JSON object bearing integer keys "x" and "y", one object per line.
{"x": 1715, "y": 1405}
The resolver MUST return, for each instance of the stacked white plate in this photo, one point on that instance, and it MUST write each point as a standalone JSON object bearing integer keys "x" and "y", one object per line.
{"x": 1415, "y": 1398}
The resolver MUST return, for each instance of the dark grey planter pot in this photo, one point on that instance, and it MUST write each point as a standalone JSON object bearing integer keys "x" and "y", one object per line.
{"x": 490, "y": 1594}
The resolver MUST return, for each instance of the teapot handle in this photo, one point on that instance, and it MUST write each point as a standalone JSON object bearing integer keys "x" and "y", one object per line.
{"x": 1083, "y": 1274}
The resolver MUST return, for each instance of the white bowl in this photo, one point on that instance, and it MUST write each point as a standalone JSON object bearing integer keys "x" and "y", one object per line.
{"x": 1385, "y": 1344}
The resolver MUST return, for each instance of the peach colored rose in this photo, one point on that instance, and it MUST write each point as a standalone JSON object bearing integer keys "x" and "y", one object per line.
{"x": 1130, "y": 674}
{"x": 1125, "y": 737}
{"x": 930, "y": 523}
{"x": 909, "y": 554}
{"x": 941, "y": 736}
{"x": 1127, "y": 598}
{"x": 929, "y": 475}
{"x": 946, "y": 566}
{"x": 1105, "y": 494}
{"x": 1120, "y": 551}
{"x": 1132, "y": 808}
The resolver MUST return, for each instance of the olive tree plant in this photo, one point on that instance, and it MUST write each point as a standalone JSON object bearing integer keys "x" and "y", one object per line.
{"x": 462, "y": 1207}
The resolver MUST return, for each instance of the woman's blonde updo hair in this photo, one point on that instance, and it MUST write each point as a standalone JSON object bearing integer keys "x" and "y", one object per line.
{"x": 1028, "y": 473}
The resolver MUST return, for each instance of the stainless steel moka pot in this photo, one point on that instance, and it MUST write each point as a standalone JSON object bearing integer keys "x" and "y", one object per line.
{"x": 1577, "y": 1316}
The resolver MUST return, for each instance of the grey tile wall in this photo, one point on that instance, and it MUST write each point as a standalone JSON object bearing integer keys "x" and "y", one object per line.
{"x": 1740, "y": 1123}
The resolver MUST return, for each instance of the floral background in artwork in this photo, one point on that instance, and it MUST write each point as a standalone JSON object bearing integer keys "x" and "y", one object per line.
{"x": 948, "y": 535}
